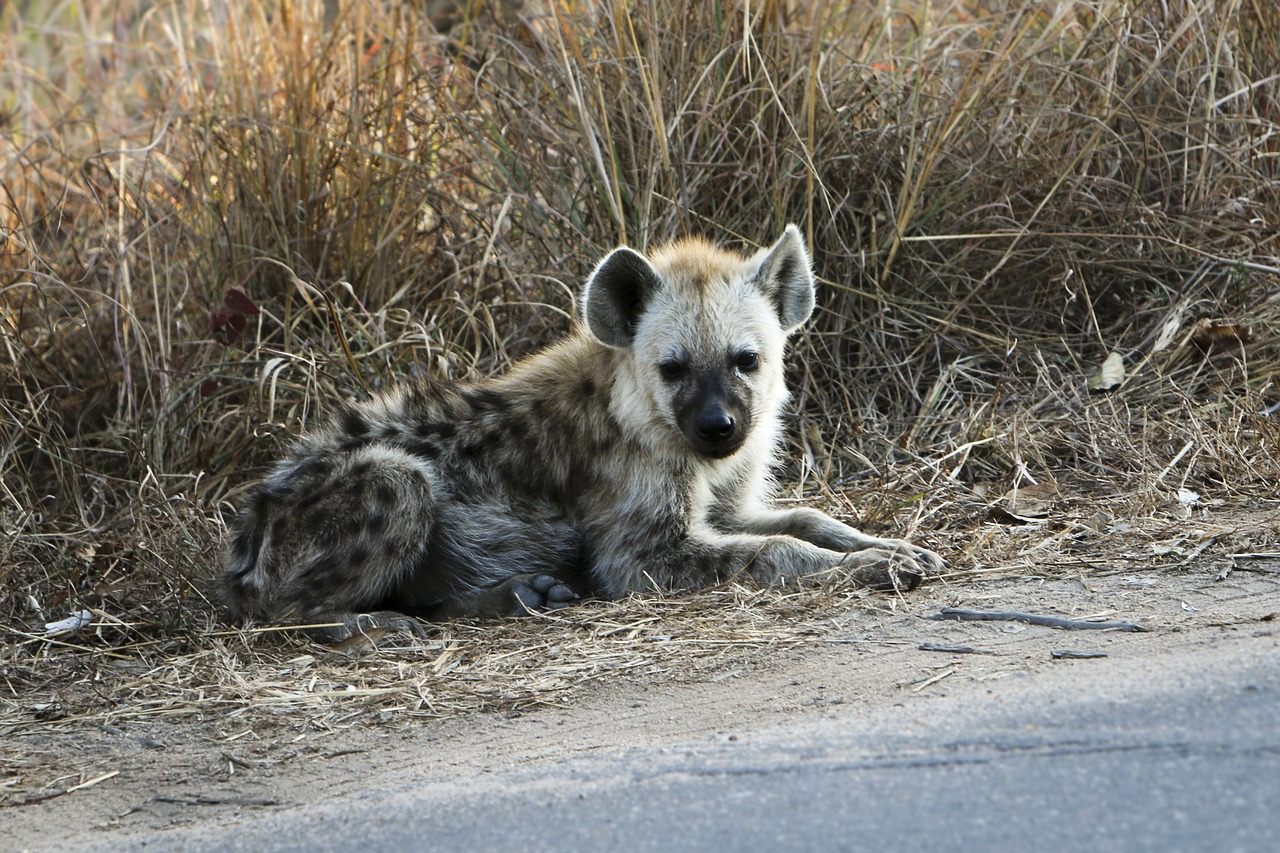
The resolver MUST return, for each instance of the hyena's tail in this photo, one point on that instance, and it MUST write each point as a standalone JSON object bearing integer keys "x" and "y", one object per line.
{"x": 241, "y": 587}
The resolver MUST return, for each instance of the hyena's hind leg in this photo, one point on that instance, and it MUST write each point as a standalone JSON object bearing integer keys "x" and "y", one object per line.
{"x": 518, "y": 595}
{"x": 332, "y": 536}
{"x": 504, "y": 558}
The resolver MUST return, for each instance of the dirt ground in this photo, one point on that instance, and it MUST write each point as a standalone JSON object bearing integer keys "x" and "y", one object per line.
{"x": 99, "y": 783}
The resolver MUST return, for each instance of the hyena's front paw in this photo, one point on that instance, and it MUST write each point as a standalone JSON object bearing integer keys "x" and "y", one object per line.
{"x": 538, "y": 594}
{"x": 928, "y": 563}
{"x": 889, "y": 570}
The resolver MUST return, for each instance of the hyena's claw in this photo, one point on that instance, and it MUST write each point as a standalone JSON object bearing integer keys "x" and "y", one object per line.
{"x": 540, "y": 593}
{"x": 561, "y": 595}
{"x": 884, "y": 570}
{"x": 926, "y": 562}
{"x": 932, "y": 563}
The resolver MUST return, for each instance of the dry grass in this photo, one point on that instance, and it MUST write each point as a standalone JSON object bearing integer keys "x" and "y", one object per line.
{"x": 998, "y": 196}
{"x": 507, "y": 666}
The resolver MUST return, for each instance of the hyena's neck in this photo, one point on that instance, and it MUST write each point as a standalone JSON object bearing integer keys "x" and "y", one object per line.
{"x": 573, "y": 386}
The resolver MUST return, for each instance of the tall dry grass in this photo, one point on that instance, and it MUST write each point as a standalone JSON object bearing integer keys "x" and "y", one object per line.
{"x": 997, "y": 195}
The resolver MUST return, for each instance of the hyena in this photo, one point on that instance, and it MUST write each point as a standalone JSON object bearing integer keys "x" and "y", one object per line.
{"x": 634, "y": 454}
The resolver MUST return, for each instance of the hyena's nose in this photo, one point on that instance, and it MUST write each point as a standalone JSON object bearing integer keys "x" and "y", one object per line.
{"x": 716, "y": 425}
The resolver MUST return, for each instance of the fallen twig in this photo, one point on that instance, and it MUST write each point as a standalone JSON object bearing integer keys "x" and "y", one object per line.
{"x": 1033, "y": 619}
{"x": 59, "y": 792}
{"x": 955, "y": 650}
{"x": 1067, "y": 654}
{"x": 1238, "y": 566}
{"x": 95, "y": 780}
{"x": 933, "y": 680}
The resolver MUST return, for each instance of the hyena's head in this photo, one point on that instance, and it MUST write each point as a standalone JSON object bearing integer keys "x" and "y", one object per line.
{"x": 704, "y": 330}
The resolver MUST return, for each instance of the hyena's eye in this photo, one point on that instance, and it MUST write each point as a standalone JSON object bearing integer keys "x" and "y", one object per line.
{"x": 672, "y": 369}
{"x": 747, "y": 361}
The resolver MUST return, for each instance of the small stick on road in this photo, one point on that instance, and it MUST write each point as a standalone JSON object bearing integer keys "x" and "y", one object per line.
{"x": 1033, "y": 619}
{"x": 954, "y": 650}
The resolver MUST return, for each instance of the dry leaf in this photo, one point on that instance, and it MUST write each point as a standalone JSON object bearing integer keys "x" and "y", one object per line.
{"x": 1110, "y": 375}
{"x": 1219, "y": 336}
{"x": 1033, "y": 501}
{"x": 70, "y": 625}
{"x": 1169, "y": 331}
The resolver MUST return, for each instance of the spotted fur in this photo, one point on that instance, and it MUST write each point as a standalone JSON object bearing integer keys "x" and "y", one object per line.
{"x": 635, "y": 453}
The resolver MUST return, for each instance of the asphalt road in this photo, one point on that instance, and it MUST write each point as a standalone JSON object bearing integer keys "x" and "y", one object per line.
{"x": 1190, "y": 762}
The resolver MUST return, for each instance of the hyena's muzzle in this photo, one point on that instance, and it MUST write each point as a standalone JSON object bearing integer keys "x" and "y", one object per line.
{"x": 714, "y": 413}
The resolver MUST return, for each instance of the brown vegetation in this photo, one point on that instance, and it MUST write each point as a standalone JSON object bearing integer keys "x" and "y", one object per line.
{"x": 215, "y": 220}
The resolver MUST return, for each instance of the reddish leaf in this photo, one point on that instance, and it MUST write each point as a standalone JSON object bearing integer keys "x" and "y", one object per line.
{"x": 209, "y": 387}
{"x": 224, "y": 326}
{"x": 239, "y": 301}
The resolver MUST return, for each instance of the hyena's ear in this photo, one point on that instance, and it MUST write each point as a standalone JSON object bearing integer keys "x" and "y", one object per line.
{"x": 785, "y": 277}
{"x": 616, "y": 295}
